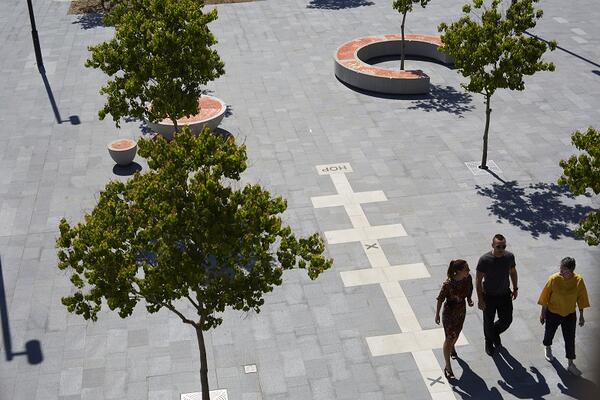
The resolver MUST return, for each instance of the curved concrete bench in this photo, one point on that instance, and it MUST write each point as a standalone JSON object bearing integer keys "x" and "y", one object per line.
{"x": 211, "y": 111}
{"x": 351, "y": 67}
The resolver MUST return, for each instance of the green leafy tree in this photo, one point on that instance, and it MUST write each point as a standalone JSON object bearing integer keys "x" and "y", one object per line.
{"x": 158, "y": 60}
{"x": 182, "y": 233}
{"x": 582, "y": 172}
{"x": 404, "y": 7}
{"x": 490, "y": 48}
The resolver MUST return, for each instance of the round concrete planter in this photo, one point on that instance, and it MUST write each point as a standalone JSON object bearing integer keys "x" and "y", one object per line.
{"x": 211, "y": 111}
{"x": 352, "y": 63}
{"x": 123, "y": 151}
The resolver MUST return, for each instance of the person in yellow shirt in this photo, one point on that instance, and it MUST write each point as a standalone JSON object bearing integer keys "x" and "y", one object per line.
{"x": 562, "y": 292}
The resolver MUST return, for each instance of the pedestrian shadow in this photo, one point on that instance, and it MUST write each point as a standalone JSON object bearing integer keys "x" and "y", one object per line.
{"x": 338, "y": 4}
{"x": 516, "y": 380}
{"x": 537, "y": 208}
{"x": 573, "y": 386}
{"x": 472, "y": 386}
{"x": 444, "y": 99}
{"x": 33, "y": 348}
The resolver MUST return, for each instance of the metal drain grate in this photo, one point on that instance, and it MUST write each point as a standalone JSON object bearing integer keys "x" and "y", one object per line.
{"x": 475, "y": 170}
{"x": 219, "y": 394}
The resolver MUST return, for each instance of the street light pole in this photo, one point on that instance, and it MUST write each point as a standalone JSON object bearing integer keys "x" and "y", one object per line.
{"x": 34, "y": 36}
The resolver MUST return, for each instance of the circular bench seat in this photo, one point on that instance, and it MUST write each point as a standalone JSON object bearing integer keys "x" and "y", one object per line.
{"x": 351, "y": 65}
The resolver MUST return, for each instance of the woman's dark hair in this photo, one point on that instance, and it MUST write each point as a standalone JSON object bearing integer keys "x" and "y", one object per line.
{"x": 568, "y": 262}
{"x": 455, "y": 266}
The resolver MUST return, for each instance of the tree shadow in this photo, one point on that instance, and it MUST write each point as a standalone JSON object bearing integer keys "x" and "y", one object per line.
{"x": 516, "y": 380}
{"x": 472, "y": 386}
{"x": 440, "y": 98}
{"x": 338, "y": 4}
{"x": 126, "y": 170}
{"x": 223, "y": 133}
{"x": 573, "y": 386}
{"x": 90, "y": 20}
{"x": 536, "y": 208}
{"x": 33, "y": 348}
{"x": 445, "y": 99}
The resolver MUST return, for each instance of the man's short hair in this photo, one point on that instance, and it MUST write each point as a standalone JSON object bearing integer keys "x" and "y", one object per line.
{"x": 568, "y": 262}
{"x": 499, "y": 237}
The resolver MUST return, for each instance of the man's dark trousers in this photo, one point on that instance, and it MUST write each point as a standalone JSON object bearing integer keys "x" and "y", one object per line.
{"x": 502, "y": 304}
{"x": 567, "y": 324}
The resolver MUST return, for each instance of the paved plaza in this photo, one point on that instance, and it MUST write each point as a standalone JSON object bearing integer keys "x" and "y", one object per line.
{"x": 384, "y": 179}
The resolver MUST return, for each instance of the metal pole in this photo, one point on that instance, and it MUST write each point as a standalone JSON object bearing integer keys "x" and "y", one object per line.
{"x": 34, "y": 36}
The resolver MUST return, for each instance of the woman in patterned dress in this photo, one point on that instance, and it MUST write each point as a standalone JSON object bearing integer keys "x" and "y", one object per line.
{"x": 455, "y": 289}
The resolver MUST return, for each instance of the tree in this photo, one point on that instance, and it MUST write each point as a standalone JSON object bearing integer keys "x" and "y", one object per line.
{"x": 158, "y": 60}
{"x": 404, "y": 7}
{"x": 180, "y": 233}
{"x": 581, "y": 173}
{"x": 493, "y": 51}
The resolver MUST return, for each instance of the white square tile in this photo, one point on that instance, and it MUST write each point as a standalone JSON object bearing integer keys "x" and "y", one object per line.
{"x": 475, "y": 170}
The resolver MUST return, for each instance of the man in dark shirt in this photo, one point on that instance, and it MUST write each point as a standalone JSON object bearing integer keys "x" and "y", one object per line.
{"x": 493, "y": 291}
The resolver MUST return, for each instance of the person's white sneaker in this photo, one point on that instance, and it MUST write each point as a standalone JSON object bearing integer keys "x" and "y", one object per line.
{"x": 548, "y": 353}
{"x": 573, "y": 369}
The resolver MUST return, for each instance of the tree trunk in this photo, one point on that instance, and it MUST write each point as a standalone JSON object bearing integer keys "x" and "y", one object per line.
{"x": 203, "y": 364}
{"x": 175, "y": 125}
{"x": 402, "y": 44}
{"x": 488, "y": 111}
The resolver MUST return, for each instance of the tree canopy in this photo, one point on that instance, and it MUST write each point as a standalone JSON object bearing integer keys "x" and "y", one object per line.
{"x": 582, "y": 173}
{"x": 183, "y": 231}
{"x": 491, "y": 48}
{"x": 159, "y": 59}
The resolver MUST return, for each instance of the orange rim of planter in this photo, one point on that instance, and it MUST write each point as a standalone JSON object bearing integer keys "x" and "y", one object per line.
{"x": 122, "y": 144}
{"x": 208, "y": 108}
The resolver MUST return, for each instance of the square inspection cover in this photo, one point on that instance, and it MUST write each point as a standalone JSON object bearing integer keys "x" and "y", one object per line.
{"x": 475, "y": 170}
{"x": 219, "y": 394}
{"x": 250, "y": 368}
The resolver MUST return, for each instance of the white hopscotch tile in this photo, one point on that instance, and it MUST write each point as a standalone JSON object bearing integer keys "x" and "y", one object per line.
{"x": 407, "y": 342}
{"x": 365, "y": 233}
{"x": 367, "y": 276}
{"x": 370, "y": 276}
{"x": 376, "y": 256}
{"x": 344, "y": 236}
{"x": 370, "y": 197}
{"x": 425, "y": 360}
{"x": 560, "y": 20}
{"x": 579, "y": 39}
{"x": 334, "y": 200}
{"x": 578, "y": 31}
{"x": 385, "y": 231}
{"x": 359, "y": 220}
{"x": 341, "y": 184}
{"x": 406, "y": 271}
{"x": 391, "y": 290}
